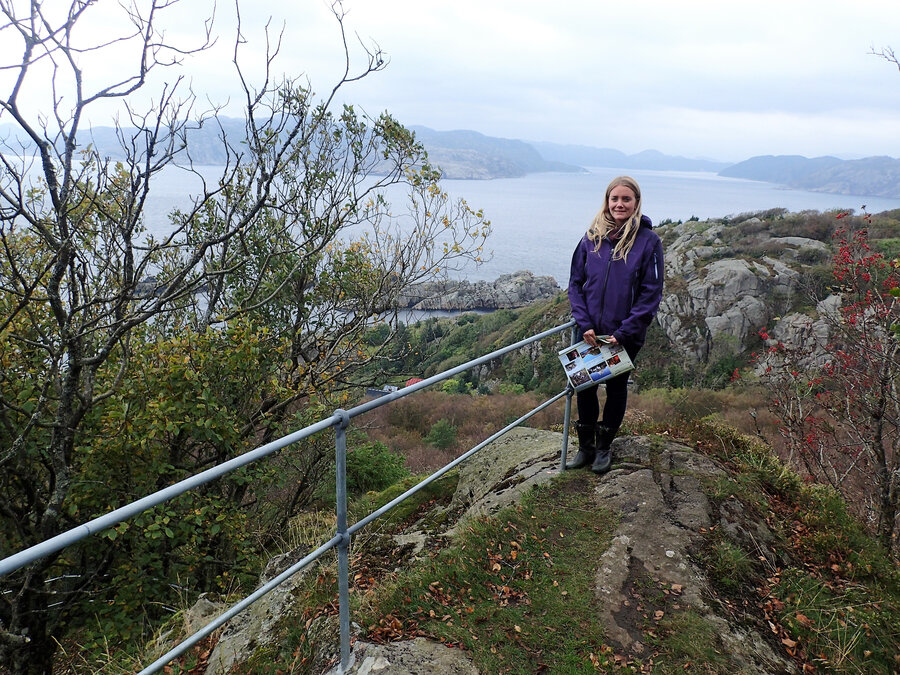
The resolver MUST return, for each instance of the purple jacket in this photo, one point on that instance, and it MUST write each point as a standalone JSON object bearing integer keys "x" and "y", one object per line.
{"x": 618, "y": 297}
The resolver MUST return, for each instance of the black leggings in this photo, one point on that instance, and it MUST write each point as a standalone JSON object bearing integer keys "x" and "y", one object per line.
{"x": 613, "y": 409}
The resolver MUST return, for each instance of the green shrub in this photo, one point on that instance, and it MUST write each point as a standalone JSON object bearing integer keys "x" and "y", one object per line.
{"x": 450, "y": 386}
{"x": 521, "y": 370}
{"x": 442, "y": 435}
{"x": 371, "y": 466}
{"x": 889, "y": 248}
{"x": 675, "y": 376}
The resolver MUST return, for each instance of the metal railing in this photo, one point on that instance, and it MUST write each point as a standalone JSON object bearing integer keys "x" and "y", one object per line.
{"x": 341, "y": 421}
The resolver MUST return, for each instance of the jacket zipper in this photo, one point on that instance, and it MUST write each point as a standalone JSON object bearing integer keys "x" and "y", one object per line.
{"x": 603, "y": 288}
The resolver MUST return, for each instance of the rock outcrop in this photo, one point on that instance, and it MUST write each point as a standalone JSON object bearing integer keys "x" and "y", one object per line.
{"x": 657, "y": 492}
{"x": 656, "y": 487}
{"x": 509, "y": 291}
{"x": 813, "y": 333}
{"x": 257, "y": 625}
{"x": 724, "y": 282}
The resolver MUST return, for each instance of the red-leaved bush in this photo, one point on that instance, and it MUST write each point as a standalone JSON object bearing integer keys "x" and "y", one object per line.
{"x": 835, "y": 392}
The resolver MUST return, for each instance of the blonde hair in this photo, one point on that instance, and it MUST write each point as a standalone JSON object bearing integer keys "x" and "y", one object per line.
{"x": 604, "y": 223}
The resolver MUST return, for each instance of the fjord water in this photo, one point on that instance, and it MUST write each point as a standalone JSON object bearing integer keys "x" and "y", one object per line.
{"x": 538, "y": 219}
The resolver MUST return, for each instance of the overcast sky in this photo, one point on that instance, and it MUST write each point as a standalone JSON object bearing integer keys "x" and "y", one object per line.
{"x": 700, "y": 79}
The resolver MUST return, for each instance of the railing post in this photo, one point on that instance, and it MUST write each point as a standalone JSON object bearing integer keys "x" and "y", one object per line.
{"x": 340, "y": 456}
{"x": 567, "y": 418}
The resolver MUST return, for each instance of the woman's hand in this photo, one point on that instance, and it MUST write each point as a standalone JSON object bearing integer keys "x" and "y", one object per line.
{"x": 591, "y": 338}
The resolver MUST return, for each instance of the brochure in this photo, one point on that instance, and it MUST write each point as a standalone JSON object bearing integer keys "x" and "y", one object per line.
{"x": 586, "y": 366}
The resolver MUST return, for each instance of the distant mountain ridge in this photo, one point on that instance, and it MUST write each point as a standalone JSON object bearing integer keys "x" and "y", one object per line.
{"x": 466, "y": 154}
{"x": 470, "y": 154}
{"x": 652, "y": 160}
{"x": 874, "y": 176}
{"x": 205, "y": 143}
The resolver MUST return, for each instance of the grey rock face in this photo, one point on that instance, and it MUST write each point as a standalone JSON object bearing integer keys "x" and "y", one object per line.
{"x": 410, "y": 657}
{"x": 795, "y": 248}
{"x": 656, "y": 487}
{"x": 812, "y": 332}
{"x": 256, "y": 625}
{"x": 517, "y": 461}
{"x": 717, "y": 296}
{"x": 509, "y": 291}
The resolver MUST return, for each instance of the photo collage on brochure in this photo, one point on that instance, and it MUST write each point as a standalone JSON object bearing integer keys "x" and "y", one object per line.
{"x": 586, "y": 366}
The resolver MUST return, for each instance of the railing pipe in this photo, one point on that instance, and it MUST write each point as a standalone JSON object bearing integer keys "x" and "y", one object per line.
{"x": 567, "y": 418}
{"x": 340, "y": 454}
{"x": 413, "y": 388}
{"x": 60, "y": 541}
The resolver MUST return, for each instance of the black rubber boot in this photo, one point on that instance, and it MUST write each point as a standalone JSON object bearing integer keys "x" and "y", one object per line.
{"x": 603, "y": 456}
{"x": 587, "y": 435}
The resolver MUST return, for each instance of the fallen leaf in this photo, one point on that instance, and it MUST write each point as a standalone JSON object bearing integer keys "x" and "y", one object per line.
{"x": 804, "y": 620}
{"x": 787, "y": 642}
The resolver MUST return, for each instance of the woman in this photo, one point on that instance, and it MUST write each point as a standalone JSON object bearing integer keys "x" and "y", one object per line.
{"x": 615, "y": 286}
